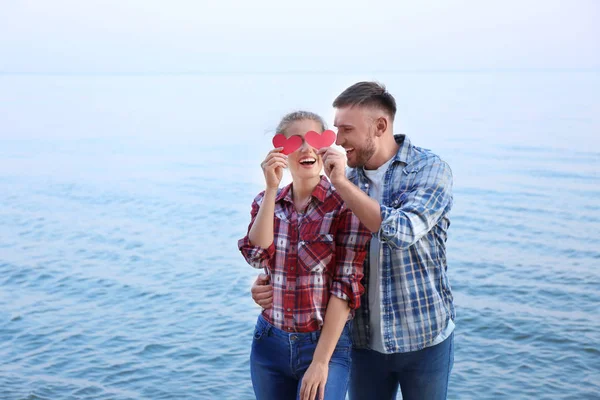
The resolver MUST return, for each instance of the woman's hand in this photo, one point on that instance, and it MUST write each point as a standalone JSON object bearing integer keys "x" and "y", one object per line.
{"x": 273, "y": 166}
{"x": 314, "y": 381}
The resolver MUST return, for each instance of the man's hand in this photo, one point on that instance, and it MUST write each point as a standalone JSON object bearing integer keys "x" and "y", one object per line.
{"x": 262, "y": 291}
{"x": 314, "y": 380}
{"x": 334, "y": 164}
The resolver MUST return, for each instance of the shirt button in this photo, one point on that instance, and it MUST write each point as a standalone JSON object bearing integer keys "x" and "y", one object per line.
{"x": 292, "y": 268}
{"x": 289, "y": 309}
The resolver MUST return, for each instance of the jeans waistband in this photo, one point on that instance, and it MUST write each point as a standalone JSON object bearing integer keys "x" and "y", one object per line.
{"x": 271, "y": 330}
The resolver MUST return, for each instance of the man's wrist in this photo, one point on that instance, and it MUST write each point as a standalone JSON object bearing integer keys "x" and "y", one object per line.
{"x": 340, "y": 182}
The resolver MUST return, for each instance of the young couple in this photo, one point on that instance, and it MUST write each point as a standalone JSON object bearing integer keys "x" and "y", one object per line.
{"x": 356, "y": 298}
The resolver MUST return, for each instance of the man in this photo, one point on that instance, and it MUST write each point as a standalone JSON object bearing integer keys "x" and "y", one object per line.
{"x": 403, "y": 332}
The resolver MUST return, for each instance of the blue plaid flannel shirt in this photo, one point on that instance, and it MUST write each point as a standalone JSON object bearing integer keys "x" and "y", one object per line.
{"x": 416, "y": 299}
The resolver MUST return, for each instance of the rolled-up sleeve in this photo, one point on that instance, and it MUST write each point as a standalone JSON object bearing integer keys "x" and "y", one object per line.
{"x": 420, "y": 208}
{"x": 352, "y": 238}
{"x": 257, "y": 257}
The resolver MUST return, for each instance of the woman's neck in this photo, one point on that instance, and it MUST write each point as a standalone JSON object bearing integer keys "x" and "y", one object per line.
{"x": 302, "y": 190}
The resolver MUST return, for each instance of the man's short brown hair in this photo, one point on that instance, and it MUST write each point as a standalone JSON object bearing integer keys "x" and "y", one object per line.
{"x": 367, "y": 94}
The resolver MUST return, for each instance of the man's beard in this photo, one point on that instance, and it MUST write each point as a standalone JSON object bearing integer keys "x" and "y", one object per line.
{"x": 363, "y": 155}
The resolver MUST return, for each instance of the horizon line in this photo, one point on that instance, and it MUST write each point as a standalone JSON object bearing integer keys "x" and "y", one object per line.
{"x": 292, "y": 72}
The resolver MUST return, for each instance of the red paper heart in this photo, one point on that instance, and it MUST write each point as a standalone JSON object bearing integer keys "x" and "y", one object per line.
{"x": 289, "y": 145}
{"x": 318, "y": 141}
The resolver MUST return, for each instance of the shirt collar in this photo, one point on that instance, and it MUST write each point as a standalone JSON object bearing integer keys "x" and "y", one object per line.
{"x": 319, "y": 192}
{"x": 405, "y": 150}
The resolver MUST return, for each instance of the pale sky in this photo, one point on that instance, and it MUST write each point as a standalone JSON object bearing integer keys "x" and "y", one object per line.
{"x": 125, "y": 36}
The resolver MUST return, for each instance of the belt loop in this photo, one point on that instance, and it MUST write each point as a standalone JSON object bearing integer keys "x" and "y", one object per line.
{"x": 267, "y": 325}
{"x": 314, "y": 336}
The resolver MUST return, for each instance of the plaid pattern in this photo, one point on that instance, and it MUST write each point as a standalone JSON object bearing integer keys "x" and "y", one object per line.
{"x": 416, "y": 300}
{"x": 311, "y": 257}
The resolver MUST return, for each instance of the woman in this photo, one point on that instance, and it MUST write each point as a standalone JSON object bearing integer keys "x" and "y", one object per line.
{"x": 313, "y": 248}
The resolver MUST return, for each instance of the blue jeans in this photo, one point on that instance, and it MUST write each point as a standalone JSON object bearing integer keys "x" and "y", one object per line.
{"x": 421, "y": 375}
{"x": 279, "y": 359}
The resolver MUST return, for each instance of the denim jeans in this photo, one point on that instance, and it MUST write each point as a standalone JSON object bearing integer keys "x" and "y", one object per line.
{"x": 421, "y": 375}
{"x": 279, "y": 359}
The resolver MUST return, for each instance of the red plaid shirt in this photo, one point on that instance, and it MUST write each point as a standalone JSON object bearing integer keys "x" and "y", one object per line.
{"x": 311, "y": 258}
